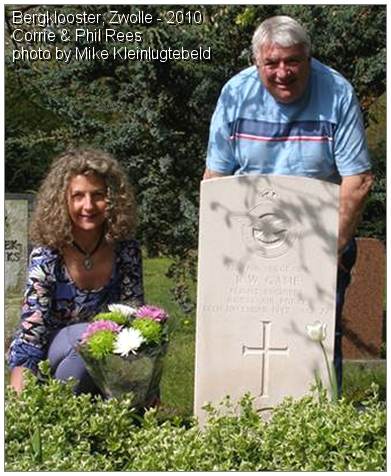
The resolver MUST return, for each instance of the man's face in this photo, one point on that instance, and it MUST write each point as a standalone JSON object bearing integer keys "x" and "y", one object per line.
{"x": 284, "y": 71}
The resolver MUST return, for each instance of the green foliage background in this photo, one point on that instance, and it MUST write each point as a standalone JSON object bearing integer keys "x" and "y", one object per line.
{"x": 154, "y": 117}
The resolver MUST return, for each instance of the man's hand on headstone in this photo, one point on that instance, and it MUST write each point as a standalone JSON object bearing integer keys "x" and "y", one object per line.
{"x": 209, "y": 174}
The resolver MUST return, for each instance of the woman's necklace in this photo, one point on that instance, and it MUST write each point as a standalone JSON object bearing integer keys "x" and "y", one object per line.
{"x": 87, "y": 262}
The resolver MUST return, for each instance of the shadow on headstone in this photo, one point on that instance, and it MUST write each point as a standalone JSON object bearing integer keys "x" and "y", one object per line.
{"x": 363, "y": 310}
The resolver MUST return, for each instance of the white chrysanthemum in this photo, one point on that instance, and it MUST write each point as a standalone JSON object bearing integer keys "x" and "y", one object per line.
{"x": 316, "y": 331}
{"x": 125, "y": 310}
{"x": 128, "y": 340}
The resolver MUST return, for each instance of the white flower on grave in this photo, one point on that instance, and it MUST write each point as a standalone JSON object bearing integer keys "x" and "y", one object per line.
{"x": 316, "y": 331}
{"x": 128, "y": 340}
{"x": 126, "y": 311}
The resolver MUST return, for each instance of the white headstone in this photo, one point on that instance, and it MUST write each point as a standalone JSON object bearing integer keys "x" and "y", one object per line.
{"x": 267, "y": 269}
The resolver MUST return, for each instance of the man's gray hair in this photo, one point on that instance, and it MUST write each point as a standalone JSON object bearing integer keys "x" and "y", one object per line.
{"x": 282, "y": 30}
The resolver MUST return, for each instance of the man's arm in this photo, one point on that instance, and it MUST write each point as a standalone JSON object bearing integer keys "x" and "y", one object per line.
{"x": 208, "y": 174}
{"x": 353, "y": 192}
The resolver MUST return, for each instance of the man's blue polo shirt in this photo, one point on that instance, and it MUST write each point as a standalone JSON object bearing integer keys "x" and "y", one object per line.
{"x": 321, "y": 135}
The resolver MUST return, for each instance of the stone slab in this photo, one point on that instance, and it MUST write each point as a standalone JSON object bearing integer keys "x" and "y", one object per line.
{"x": 363, "y": 310}
{"x": 18, "y": 209}
{"x": 16, "y": 244}
{"x": 267, "y": 269}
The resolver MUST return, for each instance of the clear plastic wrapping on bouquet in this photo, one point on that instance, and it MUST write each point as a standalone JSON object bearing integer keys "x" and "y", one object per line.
{"x": 137, "y": 374}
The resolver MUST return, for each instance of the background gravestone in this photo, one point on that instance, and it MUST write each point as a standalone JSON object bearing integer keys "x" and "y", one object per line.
{"x": 267, "y": 269}
{"x": 18, "y": 209}
{"x": 363, "y": 309}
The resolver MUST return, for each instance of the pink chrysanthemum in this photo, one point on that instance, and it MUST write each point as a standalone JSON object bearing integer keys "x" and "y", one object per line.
{"x": 152, "y": 312}
{"x": 99, "y": 326}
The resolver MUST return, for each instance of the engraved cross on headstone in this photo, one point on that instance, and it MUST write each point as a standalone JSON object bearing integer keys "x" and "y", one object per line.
{"x": 265, "y": 352}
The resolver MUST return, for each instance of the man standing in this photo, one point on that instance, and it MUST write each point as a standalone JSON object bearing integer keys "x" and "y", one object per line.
{"x": 292, "y": 115}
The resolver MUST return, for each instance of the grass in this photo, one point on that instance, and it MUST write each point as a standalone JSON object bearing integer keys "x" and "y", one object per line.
{"x": 177, "y": 387}
{"x": 12, "y": 311}
{"x": 358, "y": 377}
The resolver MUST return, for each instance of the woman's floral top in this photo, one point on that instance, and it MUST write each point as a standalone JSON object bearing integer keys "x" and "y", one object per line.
{"x": 52, "y": 300}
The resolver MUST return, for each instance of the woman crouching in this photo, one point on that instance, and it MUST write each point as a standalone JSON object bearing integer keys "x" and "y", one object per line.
{"x": 84, "y": 259}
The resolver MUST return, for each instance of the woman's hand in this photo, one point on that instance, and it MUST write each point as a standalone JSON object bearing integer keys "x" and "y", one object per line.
{"x": 17, "y": 379}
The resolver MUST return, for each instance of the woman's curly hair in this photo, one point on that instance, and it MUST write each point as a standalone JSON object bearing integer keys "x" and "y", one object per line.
{"x": 51, "y": 224}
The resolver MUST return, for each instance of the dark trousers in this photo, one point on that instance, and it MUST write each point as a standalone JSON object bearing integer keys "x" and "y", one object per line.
{"x": 343, "y": 279}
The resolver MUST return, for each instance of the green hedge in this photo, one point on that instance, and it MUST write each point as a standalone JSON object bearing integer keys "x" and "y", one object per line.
{"x": 50, "y": 429}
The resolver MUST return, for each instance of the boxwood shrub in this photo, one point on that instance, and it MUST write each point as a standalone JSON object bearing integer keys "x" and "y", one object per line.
{"x": 50, "y": 429}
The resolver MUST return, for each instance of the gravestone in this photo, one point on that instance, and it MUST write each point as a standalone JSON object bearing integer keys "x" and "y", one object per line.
{"x": 267, "y": 269}
{"x": 363, "y": 309}
{"x": 16, "y": 249}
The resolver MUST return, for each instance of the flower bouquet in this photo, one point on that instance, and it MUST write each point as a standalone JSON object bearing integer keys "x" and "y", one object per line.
{"x": 123, "y": 350}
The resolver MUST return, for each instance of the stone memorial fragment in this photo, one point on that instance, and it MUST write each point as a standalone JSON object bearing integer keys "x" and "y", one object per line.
{"x": 363, "y": 309}
{"x": 267, "y": 270}
{"x": 16, "y": 244}
{"x": 17, "y": 211}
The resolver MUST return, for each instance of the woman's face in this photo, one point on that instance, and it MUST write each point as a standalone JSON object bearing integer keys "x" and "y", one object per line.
{"x": 87, "y": 202}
